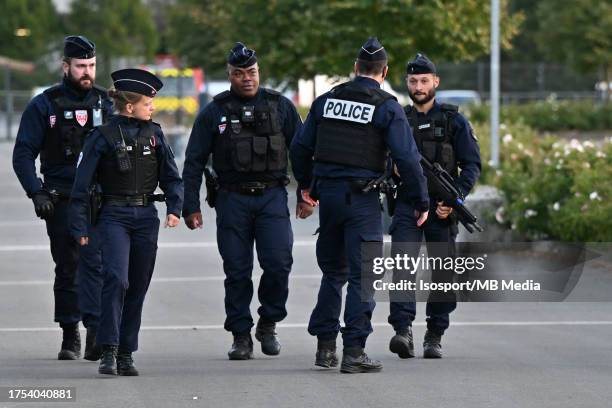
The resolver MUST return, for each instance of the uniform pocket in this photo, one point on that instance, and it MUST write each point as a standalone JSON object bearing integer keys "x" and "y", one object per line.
{"x": 260, "y": 152}
{"x": 241, "y": 153}
{"x": 277, "y": 154}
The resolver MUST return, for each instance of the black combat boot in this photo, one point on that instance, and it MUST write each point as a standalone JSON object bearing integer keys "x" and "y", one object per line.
{"x": 402, "y": 343}
{"x": 431, "y": 345}
{"x": 71, "y": 342}
{"x": 355, "y": 360}
{"x": 125, "y": 364}
{"x": 265, "y": 333}
{"x": 108, "y": 361}
{"x": 93, "y": 352}
{"x": 242, "y": 348}
{"x": 326, "y": 354}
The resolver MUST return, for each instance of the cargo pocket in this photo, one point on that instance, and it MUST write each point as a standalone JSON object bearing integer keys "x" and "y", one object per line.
{"x": 277, "y": 154}
{"x": 260, "y": 151}
{"x": 242, "y": 153}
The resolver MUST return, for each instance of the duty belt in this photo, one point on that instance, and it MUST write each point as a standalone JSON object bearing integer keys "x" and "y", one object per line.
{"x": 357, "y": 185}
{"x": 140, "y": 200}
{"x": 253, "y": 187}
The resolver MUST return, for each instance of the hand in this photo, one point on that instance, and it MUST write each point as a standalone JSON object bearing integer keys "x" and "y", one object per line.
{"x": 171, "y": 221}
{"x": 43, "y": 206}
{"x": 422, "y": 217}
{"x": 442, "y": 211}
{"x": 306, "y": 197}
{"x": 83, "y": 241}
{"x": 303, "y": 210}
{"x": 194, "y": 220}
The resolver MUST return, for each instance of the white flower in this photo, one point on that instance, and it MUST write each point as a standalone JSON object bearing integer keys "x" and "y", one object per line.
{"x": 575, "y": 144}
{"x": 594, "y": 196}
{"x": 502, "y": 126}
{"x": 520, "y": 146}
{"x": 578, "y": 194}
{"x": 555, "y": 145}
{"x": 498, "y": 172}
{"x": 530, "y": 213}
{"x": 525, "y": 200}
{"x": 507, "y": 138}
{"x": 513, "y": 226}
{"x": 557, "y": 154}
{"x": 547, "y": 161}
{"x": 600, "y": 154}
{"x": 499, "y": 215}
{"x": 588, "y": 143}
{"x": 586, "y": 165}
{"x": 556, "y": 206}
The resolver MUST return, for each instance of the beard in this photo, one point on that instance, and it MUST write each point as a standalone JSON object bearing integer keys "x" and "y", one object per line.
{"x": 423, "y": 98}
{"x": 76, "y": 82}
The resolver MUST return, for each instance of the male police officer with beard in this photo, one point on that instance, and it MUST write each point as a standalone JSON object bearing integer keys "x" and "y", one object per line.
{"x": 349, "y": 132}
{"x": 54, "y": 126}
{"x": 443, "y": 136}
{"x": 248, "y": 130}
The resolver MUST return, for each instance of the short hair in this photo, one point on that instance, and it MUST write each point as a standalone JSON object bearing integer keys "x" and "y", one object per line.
{"x": 122, "y": 98}
{"x": 371, "y": 67}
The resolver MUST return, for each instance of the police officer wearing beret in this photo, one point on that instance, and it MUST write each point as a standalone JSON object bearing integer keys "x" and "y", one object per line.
{"x": 54, "y": 126}
{"x": 129, "y": 157}
{"x": 248, "y": 131}
{"x": 348, "y": 134}
{"x": 444, "y": 136}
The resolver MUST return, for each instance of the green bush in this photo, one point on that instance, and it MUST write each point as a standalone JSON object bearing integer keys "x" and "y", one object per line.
{"x": 551, "y": 115}
{"x": 552, "y": 188}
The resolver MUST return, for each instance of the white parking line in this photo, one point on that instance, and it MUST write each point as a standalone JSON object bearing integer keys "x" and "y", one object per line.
{"x": 305, "y": 325}
{"x": 178, "y": 279}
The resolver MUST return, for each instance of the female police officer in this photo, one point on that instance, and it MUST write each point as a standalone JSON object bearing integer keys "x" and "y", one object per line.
{"x": 128, "y": 157}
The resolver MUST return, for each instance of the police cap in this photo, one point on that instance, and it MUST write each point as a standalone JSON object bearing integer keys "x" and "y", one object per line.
{"x": 372, "y": 50}
{"x": 78, "y": 46}
{"x": 240, "y": 56}
{"x": 136, "y": 80}
{"x": 420, "y": 65}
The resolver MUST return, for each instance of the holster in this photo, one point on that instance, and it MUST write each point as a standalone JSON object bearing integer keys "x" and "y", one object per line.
{"x": 212, "y": 187}
{"x": 95, "y": 203}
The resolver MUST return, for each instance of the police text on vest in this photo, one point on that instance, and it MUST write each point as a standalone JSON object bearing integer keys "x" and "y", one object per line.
{"x": 348, "y": 110}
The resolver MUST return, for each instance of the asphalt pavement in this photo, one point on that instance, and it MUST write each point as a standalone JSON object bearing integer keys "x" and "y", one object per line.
{"x": 521, "y": 354}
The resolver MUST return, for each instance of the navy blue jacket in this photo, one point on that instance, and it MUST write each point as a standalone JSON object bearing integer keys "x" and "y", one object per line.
{"x": 201, "y": 145}
{"x": 467, "y": 151}
{"x": 97, "y": 146}
{"x": 398, "y": 137}
{"x": 35, "y": 122}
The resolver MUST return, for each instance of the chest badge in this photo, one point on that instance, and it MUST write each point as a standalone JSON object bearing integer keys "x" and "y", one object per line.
{"x": 81, "y": 117}
{"x": 68, "y": 115}
{"x": 52, "y": 120}
{"x": 222, "y": 127}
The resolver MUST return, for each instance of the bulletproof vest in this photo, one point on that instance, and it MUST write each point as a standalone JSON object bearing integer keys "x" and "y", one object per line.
{"x": 250, "y": 138}
{"x": 345, "y": 133}
{"x": 433, "y": 135}
{"x": 142, "y": 176}
{"x": 70, "y": 123}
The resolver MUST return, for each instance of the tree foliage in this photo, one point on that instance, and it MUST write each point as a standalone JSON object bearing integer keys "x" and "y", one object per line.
{"x": 298, "y": 39}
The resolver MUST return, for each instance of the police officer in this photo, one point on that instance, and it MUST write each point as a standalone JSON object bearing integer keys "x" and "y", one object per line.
{"x": 349, "y": 132}
{"x": 444, "y": 136}
{"x": 130, "y": 157}
{"x": 54, "y": 125}
{"x": 248, "y": 130}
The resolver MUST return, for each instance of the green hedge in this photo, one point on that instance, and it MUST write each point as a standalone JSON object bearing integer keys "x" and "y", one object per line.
{"x": 551, "y": 115}
{"x": 552, "y": 188}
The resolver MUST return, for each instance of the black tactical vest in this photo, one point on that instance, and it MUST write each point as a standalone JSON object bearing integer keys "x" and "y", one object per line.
{"x": 433, "y": 135}
{"x": 345, "y": 133}
{"x": 250, "y": 140}
{"x": 141, "y": 150}
{"x": 71, "y": 122}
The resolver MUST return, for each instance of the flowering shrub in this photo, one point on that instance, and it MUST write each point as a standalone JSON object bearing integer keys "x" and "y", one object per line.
{"x": 552, "y": 188}
{"x": 551, "y": 115}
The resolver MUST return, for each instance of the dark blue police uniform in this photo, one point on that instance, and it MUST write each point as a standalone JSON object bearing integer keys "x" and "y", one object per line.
{"x": 444, "y": 136}
{"x": 348, "y": 132}
{"x": 54, "y": 125}
{"x": 248, "y": 139}
{"x": 129, "y": 158}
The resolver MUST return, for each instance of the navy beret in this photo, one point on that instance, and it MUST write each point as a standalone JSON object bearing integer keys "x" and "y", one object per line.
{"x": 136, "y": 80}
{"x": 240, "y": 56}
{"x": 372, "y": 50}
{"x": 420, "y": 65}
{"x": 78, "y": 46}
